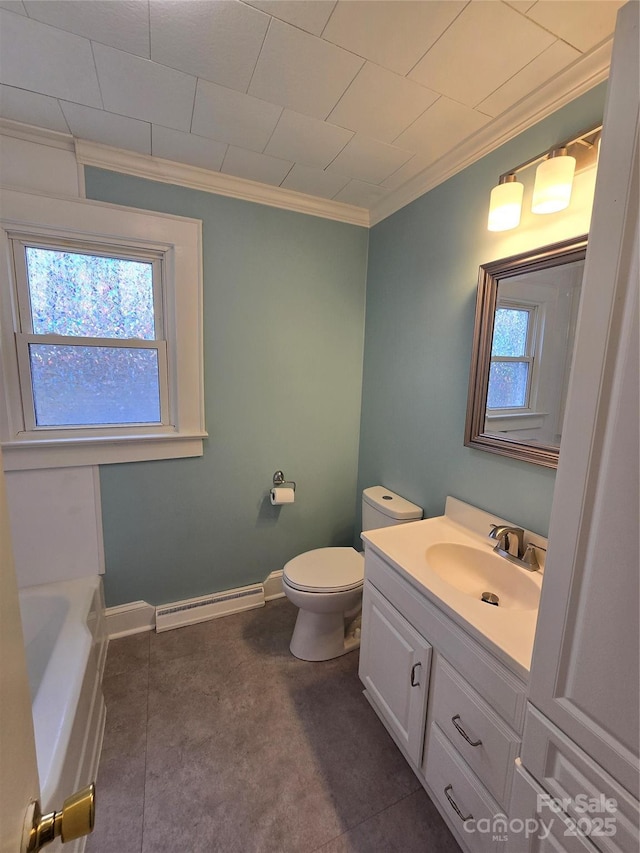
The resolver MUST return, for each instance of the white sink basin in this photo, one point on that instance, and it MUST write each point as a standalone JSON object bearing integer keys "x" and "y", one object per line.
{"x": 475, "y": 572}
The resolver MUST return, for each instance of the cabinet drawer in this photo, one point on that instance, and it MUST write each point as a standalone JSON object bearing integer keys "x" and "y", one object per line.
{"x": 456, "y": 789}
{"x": 487, "y": 745}
{"x": 534, "y": 830}
{"x": 568, "y": 773}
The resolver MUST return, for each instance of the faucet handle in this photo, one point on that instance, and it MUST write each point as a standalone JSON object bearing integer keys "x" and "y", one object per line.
{"x": 530, "y": 557}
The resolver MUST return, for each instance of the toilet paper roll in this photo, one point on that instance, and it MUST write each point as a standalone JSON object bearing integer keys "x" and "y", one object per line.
{"x": 282, "y": 495}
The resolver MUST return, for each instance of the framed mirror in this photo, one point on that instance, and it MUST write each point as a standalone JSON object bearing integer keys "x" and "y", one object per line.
{"x": 526, "y": 314}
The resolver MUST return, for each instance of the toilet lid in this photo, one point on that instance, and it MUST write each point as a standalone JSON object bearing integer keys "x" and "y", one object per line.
{"x": 326, "y": 570}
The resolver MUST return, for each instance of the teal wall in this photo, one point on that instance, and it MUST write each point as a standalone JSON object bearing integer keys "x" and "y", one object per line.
{"x": 284, "y": 317}
{"x": 421, "y": 291}
{"x": 283, "y": 341}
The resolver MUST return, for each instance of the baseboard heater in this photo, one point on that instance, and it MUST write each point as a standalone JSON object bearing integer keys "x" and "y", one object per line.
{"x": 193, "y": 610}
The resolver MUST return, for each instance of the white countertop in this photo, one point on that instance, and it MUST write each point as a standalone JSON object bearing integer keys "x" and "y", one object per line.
{"x": 507, "y": 633}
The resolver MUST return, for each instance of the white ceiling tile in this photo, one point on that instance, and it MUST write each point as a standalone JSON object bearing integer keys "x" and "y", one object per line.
{"x": 255, "y": 167}
{"x": 13, "y": 6}
{"x": 313, "y": 181}
{"x": 187, "y": 148}
{"x": 309, "y": 15}
{"x": 31, "y": 108}
{"x": 485, "y": 46}
{"x": 219, "y": 41}
{"x": 313, "y": 77}
{"x": 100, "y": 126}
{"x": 393, "y": 34}
{"x": 381, "y": 104}
{"x": 441, "y": 128}
{"x": 410, "y": 169}
{"x": 369, "y": 160}
{"x": 139, "y": 88}
{"x": 532, "y": 76}
{"x": 581, "y": 24}
{"x": 521, "y": 5}
{"x": 360, "y": 193}
{"x": 232, "y": 117}
{"x": 118, "y": 23}
{"x": 47, "y": 60}
{"x": 306, "y": 140}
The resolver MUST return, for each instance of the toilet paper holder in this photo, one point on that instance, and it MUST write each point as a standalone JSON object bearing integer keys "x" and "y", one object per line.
{"x": 279, "y": 480}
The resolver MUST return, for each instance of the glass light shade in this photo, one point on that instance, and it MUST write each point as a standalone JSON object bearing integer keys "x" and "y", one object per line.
{"x": 505, "y": 206}
{"x": 552, "y": 188}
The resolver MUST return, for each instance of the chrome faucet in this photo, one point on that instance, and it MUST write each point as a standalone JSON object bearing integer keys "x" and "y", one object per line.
{"x": 510, "y": 544}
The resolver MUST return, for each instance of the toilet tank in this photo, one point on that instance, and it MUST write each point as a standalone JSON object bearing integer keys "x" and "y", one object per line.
{"x": 383, "y": 508}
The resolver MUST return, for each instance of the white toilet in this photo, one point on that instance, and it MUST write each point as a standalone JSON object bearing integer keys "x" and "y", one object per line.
{"x": 326, "y": 584}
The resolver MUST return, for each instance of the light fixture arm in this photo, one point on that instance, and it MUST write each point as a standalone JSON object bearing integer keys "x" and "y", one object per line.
{"x": 554, "y": 178}
{"x": 581, "y": 139}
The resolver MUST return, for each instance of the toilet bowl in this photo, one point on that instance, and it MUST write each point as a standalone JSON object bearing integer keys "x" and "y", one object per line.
{"x": 326, "y": 583}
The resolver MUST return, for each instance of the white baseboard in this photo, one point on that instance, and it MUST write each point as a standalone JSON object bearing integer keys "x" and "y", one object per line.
{"x": 131, "y": 618}
{"x": 138, "y": 616}
{"x": 273, "y": 586}
{"x": 205, "y": 607}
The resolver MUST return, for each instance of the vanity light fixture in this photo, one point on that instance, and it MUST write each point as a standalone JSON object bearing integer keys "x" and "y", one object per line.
{"x": 553, "y": 181}
{"x": 505, "y": 206}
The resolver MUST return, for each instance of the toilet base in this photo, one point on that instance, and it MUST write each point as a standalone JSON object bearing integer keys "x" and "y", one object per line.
{"x": 321, "y": 636}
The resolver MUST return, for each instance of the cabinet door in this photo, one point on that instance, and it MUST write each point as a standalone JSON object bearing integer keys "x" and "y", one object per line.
{"x": 394, "y": 667}
{"x": 584, "y": 675}
{"x": 534, "y": 828}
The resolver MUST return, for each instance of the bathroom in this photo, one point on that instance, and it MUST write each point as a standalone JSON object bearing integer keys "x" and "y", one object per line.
{"x": 296, "y": 380}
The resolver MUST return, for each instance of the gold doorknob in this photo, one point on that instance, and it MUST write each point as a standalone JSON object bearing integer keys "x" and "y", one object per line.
{"x": 76, "y": 819}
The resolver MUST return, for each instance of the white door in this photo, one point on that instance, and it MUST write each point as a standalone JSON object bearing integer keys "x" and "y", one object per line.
{"x": 584, "y": 675}
{"x": 19, "y": 785}
{"x": 394, "y": 667}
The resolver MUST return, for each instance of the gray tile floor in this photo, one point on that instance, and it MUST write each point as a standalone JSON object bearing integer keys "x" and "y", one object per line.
{"x": 219, "y": 741}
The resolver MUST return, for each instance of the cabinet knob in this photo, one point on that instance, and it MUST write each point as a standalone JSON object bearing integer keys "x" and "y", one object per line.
{"x": 415, "y": 683}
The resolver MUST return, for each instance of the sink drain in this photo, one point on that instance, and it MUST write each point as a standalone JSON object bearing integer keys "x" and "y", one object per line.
{"x": 490, "y": 598}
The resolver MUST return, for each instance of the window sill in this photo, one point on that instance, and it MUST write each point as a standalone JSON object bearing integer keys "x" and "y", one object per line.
{"x": 516, "y": 420}
{"x": 30, "y": 453}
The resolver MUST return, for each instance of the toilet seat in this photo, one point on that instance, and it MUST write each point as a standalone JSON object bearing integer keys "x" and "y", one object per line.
{"x": 325, "y": 570}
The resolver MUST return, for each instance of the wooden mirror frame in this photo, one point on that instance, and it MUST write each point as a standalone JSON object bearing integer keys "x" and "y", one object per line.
{"x": 489, "y": 277}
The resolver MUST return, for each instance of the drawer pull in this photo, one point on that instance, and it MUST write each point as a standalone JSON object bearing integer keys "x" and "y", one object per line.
{"x": 455, "y": 722}
{"x": 415, "y": 683}
{"x": 454, "y": 805}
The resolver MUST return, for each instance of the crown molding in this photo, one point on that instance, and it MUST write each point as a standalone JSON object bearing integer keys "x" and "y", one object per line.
{"x": 581, "y": 76}
{"x": 170, "y": 172}
{"x": 39, "y": 135}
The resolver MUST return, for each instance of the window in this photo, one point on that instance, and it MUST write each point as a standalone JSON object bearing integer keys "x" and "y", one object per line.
{"x": 91, "y": 348}
{"x": 101, "y": 333}
{"x": 512, "y": 359}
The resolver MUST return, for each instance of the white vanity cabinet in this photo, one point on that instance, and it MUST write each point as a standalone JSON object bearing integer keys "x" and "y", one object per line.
{"x": 454, "y": 709}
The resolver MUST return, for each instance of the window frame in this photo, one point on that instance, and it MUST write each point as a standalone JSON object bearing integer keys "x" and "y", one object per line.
{"x": 533, "y": 346}
{"x": 173, "y": 242}
{"x": 25, "y": 336}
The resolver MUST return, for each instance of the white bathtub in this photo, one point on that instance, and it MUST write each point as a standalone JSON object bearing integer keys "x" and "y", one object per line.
{"x": 66, "y": 644}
